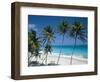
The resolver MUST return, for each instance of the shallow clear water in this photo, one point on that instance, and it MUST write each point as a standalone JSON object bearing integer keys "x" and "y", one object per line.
{"x": 80, "y": 50}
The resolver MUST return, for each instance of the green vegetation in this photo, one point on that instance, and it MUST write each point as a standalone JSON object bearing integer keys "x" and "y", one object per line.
{"x": 48, "y": 36}
{"x": 62, "y": 29}
{"x": 43, "y": 42}
{"x": 77, "y": 31}
{"x": 33, "y": 46}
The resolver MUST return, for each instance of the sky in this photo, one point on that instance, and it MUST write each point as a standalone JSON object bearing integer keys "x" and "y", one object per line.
{"x": 37, "y": 23}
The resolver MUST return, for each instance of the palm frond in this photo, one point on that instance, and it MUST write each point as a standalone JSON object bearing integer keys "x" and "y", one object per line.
{"x": 77, "y": 29}
{"x": 63, "y": 27}
{"x": 48, "y": 33}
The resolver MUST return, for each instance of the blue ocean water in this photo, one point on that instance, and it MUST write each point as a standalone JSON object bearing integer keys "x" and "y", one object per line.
{"x": 80, "y": 50}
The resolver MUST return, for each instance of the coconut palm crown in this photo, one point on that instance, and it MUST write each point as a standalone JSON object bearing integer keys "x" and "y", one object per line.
{"x": 48, "y": 37}
{"x": 62, "y": 30}
{"x": 48, "y": 34}
{"x": 77, "y": 31}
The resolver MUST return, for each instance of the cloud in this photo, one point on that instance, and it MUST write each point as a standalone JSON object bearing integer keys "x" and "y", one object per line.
{"x": 32, "y": 27}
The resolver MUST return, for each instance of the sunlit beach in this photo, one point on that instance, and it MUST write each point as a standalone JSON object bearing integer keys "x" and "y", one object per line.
{"x": 57, "y": 40}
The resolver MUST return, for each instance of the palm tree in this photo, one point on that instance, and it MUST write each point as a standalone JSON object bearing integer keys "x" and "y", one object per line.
{"x": 62, "y": 28}
{"x": 47, "y": 49}
{"x": 48, "y": 37}
{"x": 48, "y": 34}
{"x": 31, "y": 36}
{"x": 33, "y": 45}
{"x": 78, "y": 31}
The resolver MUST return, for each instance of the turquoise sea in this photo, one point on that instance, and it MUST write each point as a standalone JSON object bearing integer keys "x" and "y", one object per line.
{"x": 80, "y": 50}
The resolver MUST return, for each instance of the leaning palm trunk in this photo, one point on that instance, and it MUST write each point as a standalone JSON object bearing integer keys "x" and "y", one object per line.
{"x": 60, "y": 50}
{"x": 43, "y": 60}
{"x": 73, "y": 52}
{"x": 29, "y": 59}
{"x": 36, "y": 59}
{"x": 46, "y": 58}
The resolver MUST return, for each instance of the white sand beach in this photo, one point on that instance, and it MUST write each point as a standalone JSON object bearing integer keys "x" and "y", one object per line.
{"x": 64, "y": 60}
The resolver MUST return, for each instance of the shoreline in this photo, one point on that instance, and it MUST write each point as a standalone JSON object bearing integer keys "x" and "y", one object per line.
{"x": 64, "y": 60}
{"x": 68, "y": 56}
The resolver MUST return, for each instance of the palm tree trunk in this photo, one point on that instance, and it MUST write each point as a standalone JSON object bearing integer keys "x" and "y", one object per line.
{"x": 36, "y": 59}
{"x": 46, "y": 58}
{"x": 73, "y": 52}
{"x": 28, "y": 61}
{"x": 60, "y": 49}
{"x": 29, "y": 58}
{"x": 43, "y": 59}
